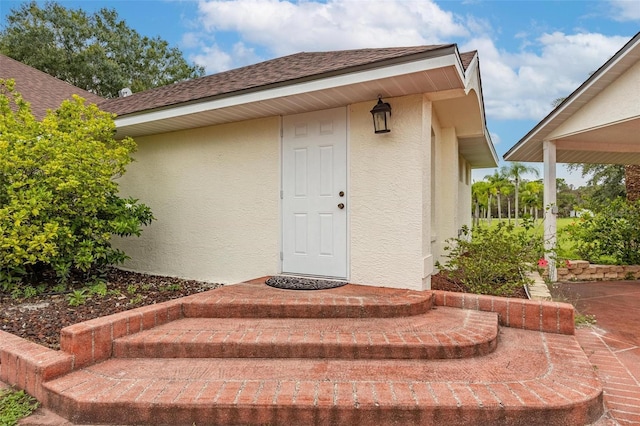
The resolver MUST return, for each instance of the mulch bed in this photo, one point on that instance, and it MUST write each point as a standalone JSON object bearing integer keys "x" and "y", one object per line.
{"x": 40, "y": 319}
{"x": 441, "y": 281}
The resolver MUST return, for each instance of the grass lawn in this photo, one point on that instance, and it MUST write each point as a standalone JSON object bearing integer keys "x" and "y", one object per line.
{"x": 566, "y": 247}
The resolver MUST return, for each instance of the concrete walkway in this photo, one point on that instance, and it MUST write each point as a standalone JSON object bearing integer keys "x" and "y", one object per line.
{"x": 613, "y": 343}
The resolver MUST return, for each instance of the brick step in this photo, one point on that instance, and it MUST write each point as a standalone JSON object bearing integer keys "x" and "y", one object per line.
{"x": 532, "y": 378}
{"x": 440, "y": 333}
{"x": 253, "y": 299}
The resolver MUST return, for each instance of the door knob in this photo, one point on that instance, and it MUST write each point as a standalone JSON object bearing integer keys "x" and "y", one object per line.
{"x": 341, "y": 206}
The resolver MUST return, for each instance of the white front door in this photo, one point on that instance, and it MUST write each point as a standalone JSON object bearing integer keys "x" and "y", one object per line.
{"x": 314, "y": 201}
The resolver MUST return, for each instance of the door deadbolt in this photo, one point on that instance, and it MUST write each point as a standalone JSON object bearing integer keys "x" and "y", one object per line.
{"x": 341, "y": 193}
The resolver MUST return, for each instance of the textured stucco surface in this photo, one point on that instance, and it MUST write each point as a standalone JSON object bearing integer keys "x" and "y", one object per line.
{"x": 386, "y": 196}
{"x": 446, "y": 196}
{"x": 215, "y": 194}
{"x": 464, "y": 196}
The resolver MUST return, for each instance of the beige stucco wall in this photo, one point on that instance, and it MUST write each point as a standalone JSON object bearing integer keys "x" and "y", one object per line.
{"x": 428, "y": 189}
{"x": 215, "y": 194}
{"x": 447, "y": 162}
{"x": 463, "y": 202}
{"x": 386, "y": 195}
{"x": 618, "y": 102}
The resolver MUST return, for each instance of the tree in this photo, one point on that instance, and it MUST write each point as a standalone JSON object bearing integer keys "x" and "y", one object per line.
{"x": 568, "y": 198}
{"x": 605, "y": 182}
{"x": 515, "y": 171}
{"x": 500, "y": 183}
{"x": 59, "y": 203}
{"x": 479, "y": 193}
{"x": 97, "y": 52}
{"x": 532, "y": 197}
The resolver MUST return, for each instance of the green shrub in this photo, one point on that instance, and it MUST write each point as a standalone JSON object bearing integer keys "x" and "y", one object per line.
{"x": 59, "y": 203}
{"x": 494, "y": 261}
{"x": 78, "y": 297}
{"x": 610, "y": 234}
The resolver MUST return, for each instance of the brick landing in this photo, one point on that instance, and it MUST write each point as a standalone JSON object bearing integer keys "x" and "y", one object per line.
{"x": 352, "y": 355}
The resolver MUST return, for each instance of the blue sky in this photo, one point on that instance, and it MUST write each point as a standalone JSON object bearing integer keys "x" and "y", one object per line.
{"x": 531, "y": 52}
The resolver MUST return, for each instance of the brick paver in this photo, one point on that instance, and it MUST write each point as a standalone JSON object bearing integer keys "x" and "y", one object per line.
{"x": 613, "y": 345}
{"x": 251, "y": 354}
{"x": 440, "y": 333}
{"x": 621, "y": 387}
{"x": 528, "y": 374}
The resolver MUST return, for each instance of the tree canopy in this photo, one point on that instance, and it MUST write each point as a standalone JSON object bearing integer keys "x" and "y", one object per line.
{"x": 606, "y": 182}
{"x": 96, "y": 52}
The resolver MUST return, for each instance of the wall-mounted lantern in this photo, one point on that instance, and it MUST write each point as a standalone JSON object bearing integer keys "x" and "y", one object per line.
{"x": 381, "y": 116}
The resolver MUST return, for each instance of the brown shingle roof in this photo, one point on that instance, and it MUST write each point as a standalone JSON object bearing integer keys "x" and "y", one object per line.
{"x": 276, "y": 71}
{"x": 467, "y": 57}
{"x": 40, "y": 89}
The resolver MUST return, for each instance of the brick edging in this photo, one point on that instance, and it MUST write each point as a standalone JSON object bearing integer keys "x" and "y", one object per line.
{"x": 535, "y": 315}
{"x": 27, "y": 365}
{"x": 91, "y": 341}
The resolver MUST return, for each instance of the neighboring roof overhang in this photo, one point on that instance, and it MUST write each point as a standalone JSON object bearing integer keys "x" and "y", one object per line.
{"x": 612, "y": 142}
{"x": 438, "y": 70}
{"x": 43, "y": 91}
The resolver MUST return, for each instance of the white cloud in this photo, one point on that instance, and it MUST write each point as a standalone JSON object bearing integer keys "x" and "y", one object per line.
{"x": 215, "y": 59}
{"x": 517, "y": 84}
{"x": 625, "y": 10}
{"x": 190, "y": 40}
{"x": 283, "y": 27}
{"x": 522, "y": 85}
{"x": 495, "y": 138}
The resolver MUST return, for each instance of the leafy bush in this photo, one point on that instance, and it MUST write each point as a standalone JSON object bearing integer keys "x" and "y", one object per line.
{"x": 59, "y": 203}
{"x": 612, "y": 232}
{"x": 494, "y": 261}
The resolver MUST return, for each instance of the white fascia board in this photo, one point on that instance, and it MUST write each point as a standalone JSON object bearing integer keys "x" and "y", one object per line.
{"x": 573, "y": 102}
{"x": 291, "y": 90}
{"x": 473, "y": 82}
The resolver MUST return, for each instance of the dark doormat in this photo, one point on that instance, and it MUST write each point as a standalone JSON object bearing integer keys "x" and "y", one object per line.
{"x": 297, "y": 283}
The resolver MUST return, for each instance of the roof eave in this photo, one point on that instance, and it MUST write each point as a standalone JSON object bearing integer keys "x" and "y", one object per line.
{"x": 446, "y": 56}
{"x": 570, "y": 104}
{"x": 473, "y": 81}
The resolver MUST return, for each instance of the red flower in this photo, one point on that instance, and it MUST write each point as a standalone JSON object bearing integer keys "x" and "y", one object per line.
{"x": 543, "y": 263}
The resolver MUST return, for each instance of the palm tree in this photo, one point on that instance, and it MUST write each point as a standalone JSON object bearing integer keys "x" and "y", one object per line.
{"x": 479, "y": 191}
{"x": 491, "y": 191}
{"x": 515, "y": 171}
{"x": 499, "y": 183}
{"x": 531, "y": 197}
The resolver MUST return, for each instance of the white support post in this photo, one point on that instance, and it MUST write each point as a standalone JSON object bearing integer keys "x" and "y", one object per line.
{"x": 550, "y": 205}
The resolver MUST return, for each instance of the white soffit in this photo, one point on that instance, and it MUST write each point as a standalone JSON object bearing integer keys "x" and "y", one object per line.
{"x": 421, "y": 76}
{"x": 478, "y": 151}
